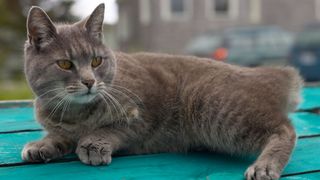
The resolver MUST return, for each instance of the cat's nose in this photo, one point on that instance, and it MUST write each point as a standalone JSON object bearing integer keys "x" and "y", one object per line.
{"x": 88, "y": 82}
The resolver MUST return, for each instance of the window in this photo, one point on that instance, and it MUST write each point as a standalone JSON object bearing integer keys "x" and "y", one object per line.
{"x": 217, "y": 9}
{"x": 255, "y": 11}
{"x": 177, "y": 6}
{"x": 124, "y": 27}
{"x": 145, "y": 14}
{"x": 317, "y": 9}
{"x": 221, "y": 7}
{"x": 176, "y": 9}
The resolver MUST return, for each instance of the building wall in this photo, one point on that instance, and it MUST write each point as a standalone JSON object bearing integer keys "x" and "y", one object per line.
{"x": 171, "y": 36}
{"x": 128, "y": 26}
{"x": 289, "y": 14}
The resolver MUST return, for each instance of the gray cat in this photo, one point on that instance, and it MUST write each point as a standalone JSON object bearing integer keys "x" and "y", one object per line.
{"x": 96, "y": 102}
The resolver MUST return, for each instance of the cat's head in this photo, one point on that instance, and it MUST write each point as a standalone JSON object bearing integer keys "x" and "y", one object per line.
{"x": 67, "y": 60}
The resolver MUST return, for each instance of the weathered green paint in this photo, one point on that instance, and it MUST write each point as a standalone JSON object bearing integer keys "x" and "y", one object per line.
{"x": 157, "y": 166}
{"x": 11, "y": 145}
{"x": 160, "y": 166}
{"x": 305, "y": 156}
{"x": 17, "y": 119}
{"x": 309, "y": 176}
{"x": 311, "y": 98}
{"x": 305, "y": 123}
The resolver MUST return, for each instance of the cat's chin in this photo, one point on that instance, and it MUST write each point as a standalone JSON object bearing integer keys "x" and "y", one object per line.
{"x": 84, "y": 99}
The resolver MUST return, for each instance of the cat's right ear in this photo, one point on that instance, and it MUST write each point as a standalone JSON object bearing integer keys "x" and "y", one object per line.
{"x": 94, "y": 23}
{"x": 41, "y": 30}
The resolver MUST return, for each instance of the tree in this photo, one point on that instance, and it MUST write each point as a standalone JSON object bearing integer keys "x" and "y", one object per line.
{"x": 13, "y": 31}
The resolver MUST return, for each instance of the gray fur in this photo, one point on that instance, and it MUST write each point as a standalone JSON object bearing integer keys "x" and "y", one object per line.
{"x": 151, "y": 103}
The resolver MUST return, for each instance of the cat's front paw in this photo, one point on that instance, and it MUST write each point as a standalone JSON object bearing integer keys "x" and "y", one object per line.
{"x": 94, "y": 152}
{"x": 41, "y": 151}
{"x": 262, "y": 171}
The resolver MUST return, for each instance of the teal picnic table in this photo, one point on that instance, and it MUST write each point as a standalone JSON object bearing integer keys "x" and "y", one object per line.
{"x": 18, "y": 126}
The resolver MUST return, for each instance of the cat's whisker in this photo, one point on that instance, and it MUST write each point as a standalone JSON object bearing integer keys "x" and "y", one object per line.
{"x": 59, "y": 95}
{"x": 68, "y": 100}
{"x": 128, "y": 91}
{"x": 48, "y": 88}
{"x": 56, "y": 107}
{"x": 110, "y": 111}
{"x": 114, "y": 104}
{"x": 124, "y": 94}
{"x": 108, "y": 106}
{"x": 51, "y": 90}
{"x": 121, "y": 108}
{"x": 119, "y": 105}
{"x": 73, "y": 89}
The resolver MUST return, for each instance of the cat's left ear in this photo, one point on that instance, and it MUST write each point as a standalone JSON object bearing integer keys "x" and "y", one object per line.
{"x": 94, "y": 23}
{"x": 41, "y": 30}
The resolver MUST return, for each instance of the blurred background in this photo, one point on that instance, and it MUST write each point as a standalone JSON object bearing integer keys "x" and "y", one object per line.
{"x": 244, "y": 32}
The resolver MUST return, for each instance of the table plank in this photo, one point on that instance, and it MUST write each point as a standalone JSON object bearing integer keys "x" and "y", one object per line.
{"x": 311, "y": 98}
{"x": 305, "y": 156}
{"x": 158, "y": 166}
{"x": 13, "y": 119}
{"x": 305, "y": 124}
{"x": 12, "y": 144}
{"x": 308, "y": 176}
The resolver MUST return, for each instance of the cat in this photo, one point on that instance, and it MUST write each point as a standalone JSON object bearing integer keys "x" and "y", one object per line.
{"x": 97, "y": 102}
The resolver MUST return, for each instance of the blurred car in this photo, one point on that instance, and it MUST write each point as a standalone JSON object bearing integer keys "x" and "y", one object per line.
{"x": 305, "y": 53}
{"x": 247, "y": 46}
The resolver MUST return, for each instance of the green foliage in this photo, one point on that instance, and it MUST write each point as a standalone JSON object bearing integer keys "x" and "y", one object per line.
{"x": 13, "y": 33}
{"x": 15, "y": 90}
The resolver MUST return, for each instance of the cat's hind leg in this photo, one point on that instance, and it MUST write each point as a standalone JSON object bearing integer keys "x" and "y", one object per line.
{"x": 274, "y": 155}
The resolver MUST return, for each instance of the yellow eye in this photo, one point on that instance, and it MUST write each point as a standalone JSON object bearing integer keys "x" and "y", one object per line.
{"x": 96, "y": 61}
{"x": 65, "y": 64}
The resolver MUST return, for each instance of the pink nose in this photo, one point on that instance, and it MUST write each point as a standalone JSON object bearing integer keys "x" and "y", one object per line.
{"x": 88, "y": 82}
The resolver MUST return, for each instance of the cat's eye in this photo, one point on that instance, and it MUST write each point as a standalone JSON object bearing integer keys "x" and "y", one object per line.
{"x": 96, "y": 61}
{"x": 64, "y": 64}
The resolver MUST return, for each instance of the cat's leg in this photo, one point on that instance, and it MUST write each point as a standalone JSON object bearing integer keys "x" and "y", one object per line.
{"x": 49, "y": 148}
{"x": 97, "y": 148}
{"x": 274, "y": 156}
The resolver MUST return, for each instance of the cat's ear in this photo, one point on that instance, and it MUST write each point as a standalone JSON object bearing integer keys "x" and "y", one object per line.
{"x": 41, "y": 30}
{"x": 94, "y": 23}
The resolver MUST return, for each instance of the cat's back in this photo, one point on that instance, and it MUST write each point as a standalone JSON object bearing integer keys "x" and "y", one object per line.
{"x": 176, "y": 65}
{"x": 278, "y": 84}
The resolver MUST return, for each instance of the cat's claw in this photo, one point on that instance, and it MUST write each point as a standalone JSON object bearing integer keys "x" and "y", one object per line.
{"x": 262, "y": 171}
{"x": 94, "y": 152}
{"x": 40, "y": 152}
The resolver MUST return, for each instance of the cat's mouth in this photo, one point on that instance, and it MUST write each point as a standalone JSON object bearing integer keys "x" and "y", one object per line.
{"x": 91, "y": 91}
{"x": 84, "y": 96}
